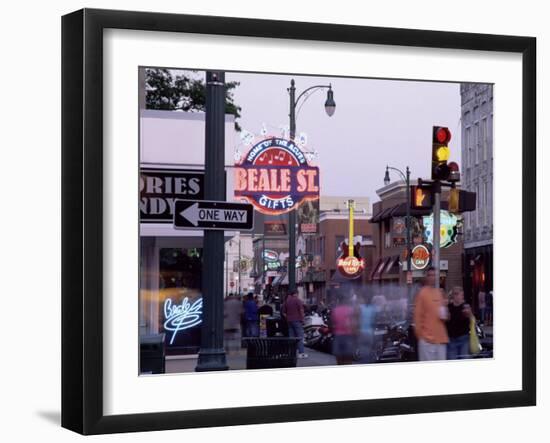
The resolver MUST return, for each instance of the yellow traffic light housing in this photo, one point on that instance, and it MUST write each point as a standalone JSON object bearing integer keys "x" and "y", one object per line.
{"x": 454, "y": 200}
{"x": 440, "y": 153}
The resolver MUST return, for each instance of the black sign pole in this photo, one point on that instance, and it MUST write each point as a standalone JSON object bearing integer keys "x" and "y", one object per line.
{"x": 212, "y": 354}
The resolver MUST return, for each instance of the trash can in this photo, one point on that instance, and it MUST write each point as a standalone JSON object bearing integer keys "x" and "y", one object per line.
{"x": 271, "y": 352}
{"x": 151, "y": 354}
{"x": 276, "y": 327}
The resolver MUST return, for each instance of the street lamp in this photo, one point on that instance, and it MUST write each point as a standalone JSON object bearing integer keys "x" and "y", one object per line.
{"x": 330, "y": 104}
{"x": 387, "y": 177}
{"x": 330, "y": 107}
{"x": 405, "y": 176}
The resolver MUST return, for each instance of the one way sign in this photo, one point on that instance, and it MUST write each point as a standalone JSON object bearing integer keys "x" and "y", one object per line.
{"x": 193, "y": 214}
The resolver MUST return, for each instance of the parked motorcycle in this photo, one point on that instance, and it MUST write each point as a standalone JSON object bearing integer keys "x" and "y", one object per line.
{"x": 485, "y": 341}
{"x": 313, "y": 322}
{"x": 397, "y": 344}
{"x": 317, "y": 331}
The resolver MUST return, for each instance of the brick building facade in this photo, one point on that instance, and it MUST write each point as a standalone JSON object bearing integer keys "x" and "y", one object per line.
{"x": 390, "y": 243}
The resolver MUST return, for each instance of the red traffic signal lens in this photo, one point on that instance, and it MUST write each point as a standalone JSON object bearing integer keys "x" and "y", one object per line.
{"x": 442, "y": 135}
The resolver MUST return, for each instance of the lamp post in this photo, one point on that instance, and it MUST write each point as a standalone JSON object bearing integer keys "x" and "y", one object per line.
{"x": 405, "y": 176}
{"x": 330, "y": 107}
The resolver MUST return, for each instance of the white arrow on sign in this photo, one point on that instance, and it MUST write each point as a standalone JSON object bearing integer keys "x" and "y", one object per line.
{"x": 191, "y": 213}
{"x": 195, "y": 215}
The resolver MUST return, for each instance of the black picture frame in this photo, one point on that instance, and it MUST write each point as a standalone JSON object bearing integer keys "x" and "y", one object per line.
{"x": 82, "y": 231}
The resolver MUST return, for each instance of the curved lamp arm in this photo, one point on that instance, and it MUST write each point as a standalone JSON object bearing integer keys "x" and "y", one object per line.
{"x": 403, "y": 176}
{"x": 309, "y": 89}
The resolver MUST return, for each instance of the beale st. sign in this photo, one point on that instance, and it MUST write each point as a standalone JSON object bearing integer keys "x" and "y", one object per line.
{"x": 275, "y": 176}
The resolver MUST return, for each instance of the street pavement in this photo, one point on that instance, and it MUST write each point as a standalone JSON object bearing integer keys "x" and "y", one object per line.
{"x": 238, "y": 361}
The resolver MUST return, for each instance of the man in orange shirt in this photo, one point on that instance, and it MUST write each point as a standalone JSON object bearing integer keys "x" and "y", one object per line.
{"x": 430, "y": 314}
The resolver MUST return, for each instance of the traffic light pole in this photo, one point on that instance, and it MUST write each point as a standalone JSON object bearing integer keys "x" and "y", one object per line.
{"x": 436, "y": 232}
{"x": 408, "y": 227}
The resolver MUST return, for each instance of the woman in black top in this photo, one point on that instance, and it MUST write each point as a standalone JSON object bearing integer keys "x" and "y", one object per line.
{"x": 458, "y": 326}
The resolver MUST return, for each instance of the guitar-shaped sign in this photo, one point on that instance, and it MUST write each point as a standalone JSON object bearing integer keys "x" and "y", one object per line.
{"x": 350, "y": 263}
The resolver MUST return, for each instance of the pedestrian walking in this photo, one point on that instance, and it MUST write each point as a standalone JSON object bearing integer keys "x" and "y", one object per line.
{"x": 251, "y": 319}
{"x": 367, "y": 316}
{"x": 430, "y": 314}
{"x": 344, "y": 327}
{"x": 458, "y": 326}
{"x": 481, "y": 303}
{"x": 232, "y": 311}
{"x": 293, "y": 311}
{"x": 489, "y": 308}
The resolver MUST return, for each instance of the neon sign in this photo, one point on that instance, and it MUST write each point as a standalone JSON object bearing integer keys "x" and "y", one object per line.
{"x": 448, "y": 232}
{"x": 270, "y": 255}
{"x": 351, "y": 266}
{"x": 275, "y": 176}
{"x": 350, "y": 263}
{"x": 420, "y": 257}
{"x": 186, "y": 315}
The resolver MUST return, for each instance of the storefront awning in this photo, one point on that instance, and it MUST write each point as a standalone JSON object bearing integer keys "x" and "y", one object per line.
{"x": 380, "y": 267}
{"x": 374, "y": 269}
{"x": 382, "y": 215}
{"x": 280, "y": 280}
{"x": 391, "y": 269}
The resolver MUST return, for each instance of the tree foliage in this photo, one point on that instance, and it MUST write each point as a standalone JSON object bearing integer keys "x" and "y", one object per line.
{"x": 168, "y": 91}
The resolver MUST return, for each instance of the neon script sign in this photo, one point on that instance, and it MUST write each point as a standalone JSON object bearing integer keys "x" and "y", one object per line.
{"x": 448, "y": 231}
{"x": 186, "y": 315}
{"x": 275, "y": 176}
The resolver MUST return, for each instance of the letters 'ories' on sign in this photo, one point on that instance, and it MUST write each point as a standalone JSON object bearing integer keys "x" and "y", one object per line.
{"x": 276, "y": 177}
{"x": 160, "y": 188}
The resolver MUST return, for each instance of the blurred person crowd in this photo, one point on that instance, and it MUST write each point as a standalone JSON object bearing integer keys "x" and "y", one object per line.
{"x": 441, "y": 324}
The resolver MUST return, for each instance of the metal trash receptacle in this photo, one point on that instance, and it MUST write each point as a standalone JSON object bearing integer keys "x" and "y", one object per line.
{"x": 271, "y": 352}
{"x": 152, "y": 354}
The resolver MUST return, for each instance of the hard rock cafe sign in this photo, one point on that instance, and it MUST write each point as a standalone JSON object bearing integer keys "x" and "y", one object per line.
{"x": 351, "y": 267}
{"x": 350, "y": 263}
{"x": 420, "y": 257}
{"x": 275, "y": 176}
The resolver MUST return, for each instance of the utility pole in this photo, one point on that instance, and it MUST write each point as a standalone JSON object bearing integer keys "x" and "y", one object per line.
{"x": 239, "y": 269}
{"x": 212, "y": 353}
{"x": 292, "y": 213}
{"x": 436, "y": 232}
{"x": 227, "y": 269}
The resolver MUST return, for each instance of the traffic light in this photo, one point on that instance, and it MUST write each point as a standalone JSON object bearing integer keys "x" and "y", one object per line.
{"x": 454, "y": 200}
{"x": 454, "y": 172}
{"x": 440, "y": 153}
{"x": 461, "y": 201}
{"x": 466, "y": 201}
{"x": 421, "y": 197}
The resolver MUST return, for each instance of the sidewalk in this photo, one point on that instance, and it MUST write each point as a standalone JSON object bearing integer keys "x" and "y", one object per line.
{"x": 188, "y": 364}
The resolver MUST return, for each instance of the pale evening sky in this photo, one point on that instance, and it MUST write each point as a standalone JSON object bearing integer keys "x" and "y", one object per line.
{"x": 377, "y": 122}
